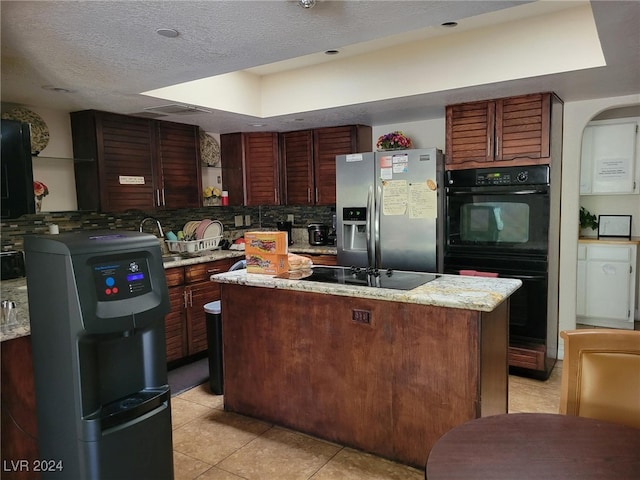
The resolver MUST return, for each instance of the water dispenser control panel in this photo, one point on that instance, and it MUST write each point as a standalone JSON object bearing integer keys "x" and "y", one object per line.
{"x": 121, "y": 279}
{"x": 354, "y": 214}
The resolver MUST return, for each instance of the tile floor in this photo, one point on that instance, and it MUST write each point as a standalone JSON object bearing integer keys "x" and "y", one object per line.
{"x": 211, "y": 444}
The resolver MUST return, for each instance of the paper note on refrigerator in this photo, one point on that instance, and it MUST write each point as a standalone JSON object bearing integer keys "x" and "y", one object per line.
{"x": 394, "y": 197}
{"x": 423, "y": 201}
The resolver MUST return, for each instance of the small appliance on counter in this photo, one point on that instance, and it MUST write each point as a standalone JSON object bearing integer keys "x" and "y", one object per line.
{"x": 286, "y": 227}
{"x": 318, "y": 234}
{"x": 12, "y": 264}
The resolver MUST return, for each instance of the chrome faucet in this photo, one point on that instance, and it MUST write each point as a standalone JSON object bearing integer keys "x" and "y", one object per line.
{"x": 144, "y": 220}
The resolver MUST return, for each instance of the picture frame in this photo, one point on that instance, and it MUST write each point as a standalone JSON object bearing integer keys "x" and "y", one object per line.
{"x": 618, "y": 226}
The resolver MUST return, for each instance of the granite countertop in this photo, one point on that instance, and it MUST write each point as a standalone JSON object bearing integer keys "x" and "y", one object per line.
{"x": 209, "y": 256}
{"x": 16, "y": 290}
{"x": 452, "y": 291}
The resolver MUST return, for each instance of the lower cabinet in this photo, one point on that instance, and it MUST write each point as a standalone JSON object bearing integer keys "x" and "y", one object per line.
{"x": 190, "y": 289}
{"x": 19, "y": 428}
{"x": 606, "y": 284}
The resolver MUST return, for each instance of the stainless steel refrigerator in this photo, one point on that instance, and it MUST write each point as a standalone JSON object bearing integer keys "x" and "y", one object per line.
{"x": 389, "y": 208}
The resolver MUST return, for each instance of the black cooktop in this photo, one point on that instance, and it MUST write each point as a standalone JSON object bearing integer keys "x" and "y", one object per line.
{"x": 395, "y": 279}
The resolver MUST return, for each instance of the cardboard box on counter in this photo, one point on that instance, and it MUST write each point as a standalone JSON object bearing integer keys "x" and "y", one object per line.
{"x": 266, "y": 264}
{"x": 270, "y": 243}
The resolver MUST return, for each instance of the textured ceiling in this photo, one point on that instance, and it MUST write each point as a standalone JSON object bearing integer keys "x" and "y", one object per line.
{"x": 108, "y": 52}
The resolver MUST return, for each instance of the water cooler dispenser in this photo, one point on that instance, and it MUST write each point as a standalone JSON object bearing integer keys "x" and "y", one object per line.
{"x": 97, "y": 302}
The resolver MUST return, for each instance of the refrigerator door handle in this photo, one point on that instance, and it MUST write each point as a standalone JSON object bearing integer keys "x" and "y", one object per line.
{"x": 369, "y": 226}
{"x": 376, "y": 227}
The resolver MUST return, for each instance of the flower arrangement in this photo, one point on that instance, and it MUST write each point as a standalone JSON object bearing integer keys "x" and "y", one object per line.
{"x": 211, "y": 192}
{"x": 211, "y": 195}
{"x": 393, "y": 141}
{"x": 40, "y": 190}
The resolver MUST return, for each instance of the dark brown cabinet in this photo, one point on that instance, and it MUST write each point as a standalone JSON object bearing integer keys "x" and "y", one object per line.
{"x": 189, "y": 291}
{"x": 293, "y": 168}
{"x": 136, "y": 163}
{"x": 507, "y": 131}
{"x": 19, "y": 429}
{"x": 250, "y": 168}
{"x": 309, "y": 161}
{"x": 296, "y": 149}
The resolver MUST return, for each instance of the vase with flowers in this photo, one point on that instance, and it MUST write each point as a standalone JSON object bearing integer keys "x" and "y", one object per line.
{"x": 40, "y": 190}
{"x": 211, "y": 196}
{"x": 393, "y": 141}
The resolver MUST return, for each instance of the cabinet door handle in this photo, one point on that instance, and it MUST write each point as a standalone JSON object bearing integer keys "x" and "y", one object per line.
{"x": 275, "y": 195}
{"x": 214, "y": 270}
{"x": 190, "y": 298}
{"x": 163, "y": 202}
{"x": 158, "y": 197}
{"x": 308, "y": 195}
{"x": 184, "y": 298}
{"x": 316, "y": 195}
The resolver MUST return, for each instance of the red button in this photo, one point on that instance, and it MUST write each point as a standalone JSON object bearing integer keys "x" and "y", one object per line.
{"x": 115, "y": 290}
{"x": 108, "y": 291}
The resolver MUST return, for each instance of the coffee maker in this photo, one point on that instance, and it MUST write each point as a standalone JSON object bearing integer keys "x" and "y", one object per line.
{"x": 286, "y": 227}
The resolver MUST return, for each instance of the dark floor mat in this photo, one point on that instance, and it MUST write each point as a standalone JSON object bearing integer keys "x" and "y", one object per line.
{"x": 188, "y": 376}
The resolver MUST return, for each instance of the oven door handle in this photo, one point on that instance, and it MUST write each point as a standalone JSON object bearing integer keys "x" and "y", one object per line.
{"x": 488, "y": 191}
{"x": 524, "y": 277}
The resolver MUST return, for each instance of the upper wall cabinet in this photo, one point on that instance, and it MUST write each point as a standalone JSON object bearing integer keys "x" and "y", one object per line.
{"x": 503, "y": 132}
{"x": 609, "y": 162}
{"x": 293, "y": 168}
{"x": 136, "y": 163}
{"x": 309, "y": 161}
{"x": 250, "y": 170}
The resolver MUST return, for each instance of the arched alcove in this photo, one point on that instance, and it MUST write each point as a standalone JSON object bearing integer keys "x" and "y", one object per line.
{"x": 577, "y": 115}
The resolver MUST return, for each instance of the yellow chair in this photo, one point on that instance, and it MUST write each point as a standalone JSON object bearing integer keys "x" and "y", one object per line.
{"x": 601, "y": 375}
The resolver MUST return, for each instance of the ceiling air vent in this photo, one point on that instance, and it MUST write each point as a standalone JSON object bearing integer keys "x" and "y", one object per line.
{"x": 176, "y": 109}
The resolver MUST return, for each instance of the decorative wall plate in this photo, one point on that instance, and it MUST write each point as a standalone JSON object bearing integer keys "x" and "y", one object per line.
{"x": 39, "y": 129}
{"x": 209, "y": 150}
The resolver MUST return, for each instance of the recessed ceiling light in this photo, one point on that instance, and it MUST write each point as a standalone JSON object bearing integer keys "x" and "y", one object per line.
{"x": 167, "y": 32}
{"x": 332, "y": 52}
{"x": 307, "y": 3}
{"x": 450, "y": 24}
{"x": 257, "y": 124}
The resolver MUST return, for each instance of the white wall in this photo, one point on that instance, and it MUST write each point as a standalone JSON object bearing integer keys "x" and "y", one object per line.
{"x": 423, "y": 134}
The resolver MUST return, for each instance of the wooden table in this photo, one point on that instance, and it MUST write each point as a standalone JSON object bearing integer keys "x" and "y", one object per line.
{"x": 522, "y": 446}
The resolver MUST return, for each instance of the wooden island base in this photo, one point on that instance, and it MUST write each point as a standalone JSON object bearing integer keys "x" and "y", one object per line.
{"x": 392, "y": 386}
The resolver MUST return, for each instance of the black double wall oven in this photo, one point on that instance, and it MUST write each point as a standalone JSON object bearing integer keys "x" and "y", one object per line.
{"x": 498, "y": 222}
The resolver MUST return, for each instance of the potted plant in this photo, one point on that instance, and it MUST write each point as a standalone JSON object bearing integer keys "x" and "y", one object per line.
{"x": 588, "y": 219}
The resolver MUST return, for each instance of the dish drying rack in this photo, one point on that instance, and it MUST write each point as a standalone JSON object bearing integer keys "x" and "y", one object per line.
{"x": 191, "y": 246}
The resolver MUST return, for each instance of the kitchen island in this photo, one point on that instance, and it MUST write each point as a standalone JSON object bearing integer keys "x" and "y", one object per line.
{"x": 385, "y": 371}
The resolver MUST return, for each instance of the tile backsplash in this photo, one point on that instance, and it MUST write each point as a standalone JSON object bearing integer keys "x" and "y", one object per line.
{"x": 12, "y": 231}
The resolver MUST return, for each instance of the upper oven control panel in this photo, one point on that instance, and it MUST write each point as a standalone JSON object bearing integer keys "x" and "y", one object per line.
{"x": 478, "y": 177}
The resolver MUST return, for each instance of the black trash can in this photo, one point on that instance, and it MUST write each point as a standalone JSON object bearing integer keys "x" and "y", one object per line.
{"x": 214, "y": 341}
{"x": 213, "y": 311}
